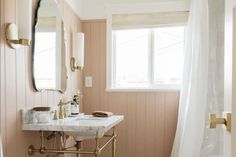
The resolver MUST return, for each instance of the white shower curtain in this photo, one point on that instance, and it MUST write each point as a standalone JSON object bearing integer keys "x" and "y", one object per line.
{"x": 202, "y": 84}
{"x": 193, "y": 98}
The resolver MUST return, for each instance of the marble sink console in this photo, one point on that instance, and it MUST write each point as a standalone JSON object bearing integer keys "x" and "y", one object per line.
{"x": 81, "y": 127}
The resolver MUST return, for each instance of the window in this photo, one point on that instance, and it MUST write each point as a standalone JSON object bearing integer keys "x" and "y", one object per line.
{"x": 146, "y": 58}
{"x": 168, "y": 55}
{"x": 46, "y": 59}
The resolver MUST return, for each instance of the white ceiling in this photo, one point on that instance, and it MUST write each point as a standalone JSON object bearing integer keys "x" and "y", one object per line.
{"x": 76, "y": 5}
{"x": 98, "y": 9}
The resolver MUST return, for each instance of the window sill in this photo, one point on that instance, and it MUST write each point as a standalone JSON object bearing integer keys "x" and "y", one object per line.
{"x": 164, "y": 88}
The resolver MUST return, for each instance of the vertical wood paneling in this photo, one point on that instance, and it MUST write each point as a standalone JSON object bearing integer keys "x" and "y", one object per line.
{"x": 2, "y": 78}
{"x": 150, "y": 117}
{"x": 20, "y": 99}
{"x": 170, "y": 124}
{"x": 159, "y": 125}
{"x": 149, "y": 124}
{"x": 140, "y": 124}
{"x": 87, "y": 38}
{"x": 131, "y": 119}
{"x": 16, "y": 82}
{"x": 10, "y": 76}
{"x": 3, "y": 85}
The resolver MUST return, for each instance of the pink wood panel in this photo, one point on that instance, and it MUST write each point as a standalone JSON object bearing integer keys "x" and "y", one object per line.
{"x": 10, "y": 76}
{"x": 16, "y": 82}
{"x": 149, "y": 124}
{"x": 170, "y": 110}
{"x": 140, "y": 124}
{"x": 2, "y": 79}
{"x": 150, "y": 117}
{"x": 20, "y": 99}
{"x": 159, "y": 125}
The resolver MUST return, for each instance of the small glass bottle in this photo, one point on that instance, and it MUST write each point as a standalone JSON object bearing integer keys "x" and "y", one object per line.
{"x": 75, "y": 104}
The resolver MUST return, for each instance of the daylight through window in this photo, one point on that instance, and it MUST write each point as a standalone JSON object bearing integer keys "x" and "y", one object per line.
{"x": 147, "y": 58}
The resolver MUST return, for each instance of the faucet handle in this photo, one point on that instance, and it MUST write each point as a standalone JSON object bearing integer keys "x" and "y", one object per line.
{"x": 60, "y": 102}
{"x": 56, "y": 115}
{"x": 65, "y": 113}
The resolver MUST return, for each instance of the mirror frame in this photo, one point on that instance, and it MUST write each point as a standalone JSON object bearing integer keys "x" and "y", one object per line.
{"x": 33, "y": 47}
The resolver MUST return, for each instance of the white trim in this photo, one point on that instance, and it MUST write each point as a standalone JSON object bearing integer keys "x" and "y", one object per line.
{"x": 109, "y": 51}
{"x": 113, "y": 60}
{"x": 150, "y": 7}
{"x": 90, "y": 9}
{"x": 151, "y": 53}
{"x": 147, "y": 20}
{"x": 158, "y": 88}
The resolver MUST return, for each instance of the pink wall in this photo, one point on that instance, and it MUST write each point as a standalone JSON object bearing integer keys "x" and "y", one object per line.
{"x": 16, "y": 83}
{"x": 150, "y": 117}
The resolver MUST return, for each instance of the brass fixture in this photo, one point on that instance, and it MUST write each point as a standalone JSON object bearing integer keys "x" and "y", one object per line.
{"x": 78, "y": 146}
{"x": 74, "y": 65}
{"x": 78, "y": 62}
{"x": 78, "y": 151}
{"x": 225, "y": 121}
{"x": 12, "y": 37}
{"x": 56, "y": 117}
{"x": 62, "y": 113}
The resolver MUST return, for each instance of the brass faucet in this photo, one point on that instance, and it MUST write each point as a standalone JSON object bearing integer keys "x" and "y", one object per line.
{"x": 75, "y": 100}
{"x": 62, "y": 113}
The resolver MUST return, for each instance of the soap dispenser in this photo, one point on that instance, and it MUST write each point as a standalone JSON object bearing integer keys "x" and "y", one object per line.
{"x": 75, "y": 104}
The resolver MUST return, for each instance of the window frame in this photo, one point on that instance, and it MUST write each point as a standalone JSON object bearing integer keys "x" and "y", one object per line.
{"x": 110, "y": 69}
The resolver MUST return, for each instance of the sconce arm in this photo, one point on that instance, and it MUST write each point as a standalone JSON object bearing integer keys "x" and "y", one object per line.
{"x": 74, "y": 64}
{"x": 12, "y": 37}
{"x": 25, "y": 42}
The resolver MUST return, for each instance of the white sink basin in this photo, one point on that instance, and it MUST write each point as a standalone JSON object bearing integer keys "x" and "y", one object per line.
{"x": 87, "y": 117}
{"x": 93, "y": 126}
{"x": 81, "y": 128}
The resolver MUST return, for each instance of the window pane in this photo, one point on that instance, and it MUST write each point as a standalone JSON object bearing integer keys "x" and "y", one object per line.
{"x": 168, "y": 54}
{"x": 131, "y": 54}
{"x": 46, "y": 59}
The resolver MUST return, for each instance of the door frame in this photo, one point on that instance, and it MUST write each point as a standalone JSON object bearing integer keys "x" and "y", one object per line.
{"x": 230, "y": 75}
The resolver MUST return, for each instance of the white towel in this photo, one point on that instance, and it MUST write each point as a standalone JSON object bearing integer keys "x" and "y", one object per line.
{"x": 1, "y": 154}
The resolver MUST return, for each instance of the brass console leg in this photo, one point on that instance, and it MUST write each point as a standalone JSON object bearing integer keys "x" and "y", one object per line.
{"x": 114, "y": 144}
{"x": 78, "y": 147}
{"x": 97, "y": 150}
{"x": 41, "y": 139}
{"x": 42, "y": 147}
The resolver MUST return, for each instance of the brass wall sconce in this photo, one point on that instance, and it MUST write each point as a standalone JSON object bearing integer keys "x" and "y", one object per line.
{"x": 78, "y": 63}
{"x": 20, "y": 34}
{"x": 12, "y": 37}
{"x": 74, "y": 64}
